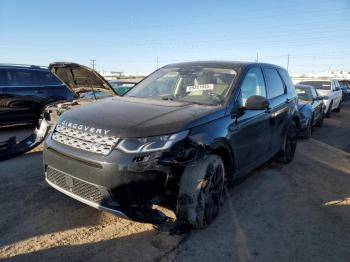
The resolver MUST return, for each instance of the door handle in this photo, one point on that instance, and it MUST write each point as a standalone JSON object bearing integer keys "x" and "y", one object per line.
{"x": 287, "y": 101}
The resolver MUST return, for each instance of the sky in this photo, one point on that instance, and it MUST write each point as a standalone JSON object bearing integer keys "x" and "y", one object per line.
{"x": 140, "y": 36}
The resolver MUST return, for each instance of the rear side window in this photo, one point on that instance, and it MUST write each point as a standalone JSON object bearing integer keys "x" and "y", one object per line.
{"x": 27, "y": 77}
{"x": 253, "y": 84}
{"x": 274, "y": 83}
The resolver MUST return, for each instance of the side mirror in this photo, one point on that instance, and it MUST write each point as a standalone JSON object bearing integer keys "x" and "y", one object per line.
{"x": 257, "y": 103}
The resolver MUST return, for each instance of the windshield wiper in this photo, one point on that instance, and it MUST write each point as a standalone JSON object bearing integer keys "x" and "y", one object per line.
{"x": 171, "y": 98}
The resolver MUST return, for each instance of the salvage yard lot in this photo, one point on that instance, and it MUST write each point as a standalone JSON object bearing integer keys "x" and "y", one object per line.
{"x": 295, "y": 212}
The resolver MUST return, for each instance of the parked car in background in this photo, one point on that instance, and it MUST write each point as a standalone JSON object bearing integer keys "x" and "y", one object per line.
{"x": 122, "y": 86}
{"x": 174, "y": 139}
{"x": 330, "y": 90}
{"x": 25, "y": 90}
{"x": 345, "y": 87}
{"x": 84, "y": 85}
{"x": 311, "y": 109}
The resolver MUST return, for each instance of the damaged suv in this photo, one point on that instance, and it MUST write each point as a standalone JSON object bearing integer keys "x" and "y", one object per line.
{"x": 84, "y": 85}
{"x": 174, "y": 139}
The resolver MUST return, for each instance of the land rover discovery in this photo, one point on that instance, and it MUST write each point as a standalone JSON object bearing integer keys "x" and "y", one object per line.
{"x": 174, "y": 139}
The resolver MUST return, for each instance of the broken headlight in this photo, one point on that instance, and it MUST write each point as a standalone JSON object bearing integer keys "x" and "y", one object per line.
{"x": 150, "y": 144}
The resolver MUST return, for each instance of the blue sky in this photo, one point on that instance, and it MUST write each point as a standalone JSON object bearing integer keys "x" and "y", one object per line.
{"x": 130, "y": 35}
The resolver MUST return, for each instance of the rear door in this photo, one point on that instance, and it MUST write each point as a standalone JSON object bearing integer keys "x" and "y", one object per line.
{"x": 253, "y": 126}
{"x": 18, "y": 105}
{"x": 279, "y": 106}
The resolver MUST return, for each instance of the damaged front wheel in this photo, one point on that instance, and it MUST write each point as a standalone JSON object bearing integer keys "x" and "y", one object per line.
{"x": 200, "y": 192}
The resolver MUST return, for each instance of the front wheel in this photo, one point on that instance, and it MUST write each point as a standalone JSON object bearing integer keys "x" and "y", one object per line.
{"x": 290, "y": 144}
{"x": 320, "y": 119}
{"x": 337, "y": 110}
{"x": 328, "y": 113}
{"x": 309, "y": 128}
{"x": 200, "y": 192}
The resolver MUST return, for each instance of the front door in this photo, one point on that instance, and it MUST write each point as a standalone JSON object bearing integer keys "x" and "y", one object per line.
{"x": 253, "y": 138}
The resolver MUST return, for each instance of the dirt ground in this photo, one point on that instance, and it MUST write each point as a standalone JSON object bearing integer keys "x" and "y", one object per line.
{"x": 295, "y": 212}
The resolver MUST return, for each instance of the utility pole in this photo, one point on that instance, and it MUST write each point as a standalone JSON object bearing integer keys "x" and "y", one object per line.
{"x": 157, "y": 63}
{"x": 92, "y": 61}
{"x": 257, "y": 57}
{"x": 288, "y": 63}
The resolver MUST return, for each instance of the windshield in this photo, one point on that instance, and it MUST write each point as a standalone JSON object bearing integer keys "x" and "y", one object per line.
{"x": 323, "y": 85}
{"x": 121, "y": 87}
{"x": 191, "y": 84}
{"x": 304, "y": 94}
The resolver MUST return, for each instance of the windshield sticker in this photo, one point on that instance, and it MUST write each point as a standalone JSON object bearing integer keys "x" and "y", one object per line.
{"x": 200, "y": 87}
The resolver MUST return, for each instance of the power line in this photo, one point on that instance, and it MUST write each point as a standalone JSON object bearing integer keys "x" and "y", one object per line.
{"x": 93, "y": 63}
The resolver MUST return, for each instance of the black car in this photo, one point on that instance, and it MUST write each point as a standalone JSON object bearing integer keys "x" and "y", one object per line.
{"x": 174, "y": 139}
{"x": 25, "y": 90}
{"x": 85, "y": 86}
{"x": 311, "y": 108}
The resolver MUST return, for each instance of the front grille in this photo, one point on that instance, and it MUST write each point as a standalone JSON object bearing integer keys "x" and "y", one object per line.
{"x": 75, "y": 186}
{"x": 85, "y": 141}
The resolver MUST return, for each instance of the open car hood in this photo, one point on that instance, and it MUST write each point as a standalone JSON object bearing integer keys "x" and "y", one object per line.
{"x": 81, "y": 79}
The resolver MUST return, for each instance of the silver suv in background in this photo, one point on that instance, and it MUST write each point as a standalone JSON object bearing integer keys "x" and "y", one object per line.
{"x": 330, "y": 90}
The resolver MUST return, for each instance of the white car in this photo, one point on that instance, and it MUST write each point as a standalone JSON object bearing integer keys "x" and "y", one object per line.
{"x": 330, "y": 90}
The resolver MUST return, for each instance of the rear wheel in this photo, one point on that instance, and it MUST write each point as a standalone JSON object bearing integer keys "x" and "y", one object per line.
{"x": 200, "y": 192}
{"x": 288, "y": 150}
{"x": 337, "y": 110}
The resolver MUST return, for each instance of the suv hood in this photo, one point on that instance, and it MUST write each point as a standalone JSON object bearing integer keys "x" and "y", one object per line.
{"x": 139, "y": 117}
{"x": 80, "y": 79}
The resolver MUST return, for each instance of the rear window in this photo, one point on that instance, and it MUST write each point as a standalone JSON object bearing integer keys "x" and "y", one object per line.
{"x": 274, "y": 83}
{"x": 27, "y": 77}
{"x": 323, "y": 85}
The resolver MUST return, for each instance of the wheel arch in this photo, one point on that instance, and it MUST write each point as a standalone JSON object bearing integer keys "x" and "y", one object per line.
{"x": 224, "y": 151}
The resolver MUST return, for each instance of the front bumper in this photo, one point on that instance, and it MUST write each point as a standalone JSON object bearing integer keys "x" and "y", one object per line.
{"x": 65, "y": 189}
{"x": 118, "y": 183}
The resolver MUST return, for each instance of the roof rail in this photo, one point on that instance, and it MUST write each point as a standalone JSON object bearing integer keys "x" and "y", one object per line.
{"x": 23, "y": 65}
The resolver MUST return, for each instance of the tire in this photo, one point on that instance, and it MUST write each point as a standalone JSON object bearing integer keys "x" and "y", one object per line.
{"x": 200, "y": 192}
{"x": 309, "y": 128}
{"x": 319, "y": 122}
{"x": 337, "y": 110}
{"x": 290, "y": 144}
{"x": 328, "y": 113}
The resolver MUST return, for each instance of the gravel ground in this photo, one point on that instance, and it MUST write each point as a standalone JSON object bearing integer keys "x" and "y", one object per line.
{"x": 295, "y": 212}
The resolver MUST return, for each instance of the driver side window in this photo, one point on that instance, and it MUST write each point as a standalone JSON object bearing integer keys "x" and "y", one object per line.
{"x": 253, "y": 84}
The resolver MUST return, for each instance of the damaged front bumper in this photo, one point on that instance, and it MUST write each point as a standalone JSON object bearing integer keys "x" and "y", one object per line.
{"x": 118, "y": 183}
{"x": 10, "y": 148}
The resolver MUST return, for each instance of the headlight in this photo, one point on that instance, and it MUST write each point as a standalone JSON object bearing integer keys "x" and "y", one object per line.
{"x": 150, "y": 144}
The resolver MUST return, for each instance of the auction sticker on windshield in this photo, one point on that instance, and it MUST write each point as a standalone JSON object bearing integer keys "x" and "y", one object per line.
{"x": 199, "y": 87}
